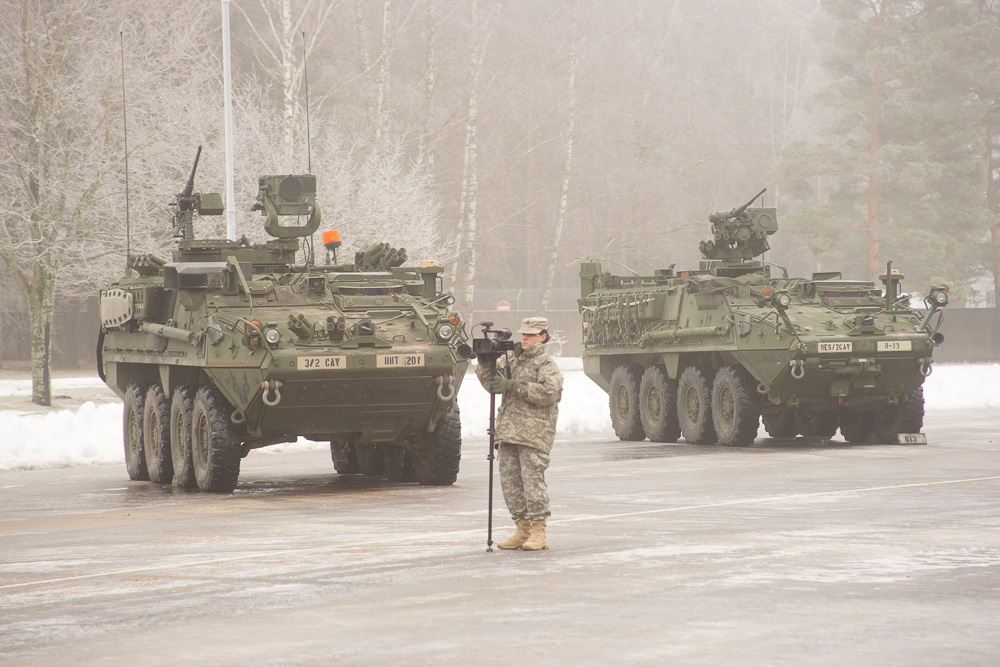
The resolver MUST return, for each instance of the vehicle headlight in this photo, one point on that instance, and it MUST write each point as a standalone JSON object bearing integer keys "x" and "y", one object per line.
{"x": 784, "y": 300}
{"x": 940, "y": 298}
{"x": 272, "y": 336}
{"x": 445, "y": 331}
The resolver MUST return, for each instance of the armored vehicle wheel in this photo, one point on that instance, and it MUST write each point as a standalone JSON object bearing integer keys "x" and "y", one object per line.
{"x": 181, "y": 408}
{"x": 439, "y": 466}
{"x": 215, "y": 448}
{"x": 816, "y": 423}
{"x": 780, "y": 423}
{"x": 345, "y": 457}
{"x": 857, "y": 427}
{"x": 624, "y": 399}
{"x": 906, "y": 417}
{"x": 371, "y": 459}
{"x": 735, "y": 409}
{"x": 132, "y": 416}
{"x": 694, "y": 405}
{"x": 399, "y": 464}
{"x": 658, "y": 406}
{"x": 156, "y": 436}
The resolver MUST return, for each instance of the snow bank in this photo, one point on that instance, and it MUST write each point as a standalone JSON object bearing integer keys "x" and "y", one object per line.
{"x": 93, "y": 433}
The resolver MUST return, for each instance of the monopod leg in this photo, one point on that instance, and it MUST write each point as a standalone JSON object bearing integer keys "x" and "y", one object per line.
{"x": 489, "y": 515}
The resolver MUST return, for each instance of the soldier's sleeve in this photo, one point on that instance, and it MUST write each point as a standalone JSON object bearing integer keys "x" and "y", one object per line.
{"x": 547, "y": 387}
{"x": 485, "y": 372}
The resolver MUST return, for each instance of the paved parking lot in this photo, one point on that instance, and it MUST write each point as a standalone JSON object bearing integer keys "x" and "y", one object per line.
{"x": 787, "y": 553}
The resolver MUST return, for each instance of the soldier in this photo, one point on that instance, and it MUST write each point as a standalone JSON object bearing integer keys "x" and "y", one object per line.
{"x": 525, "y": 429}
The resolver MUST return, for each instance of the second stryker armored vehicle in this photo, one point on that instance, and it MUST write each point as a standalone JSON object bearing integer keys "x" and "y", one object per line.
{"x": 708, "y": 353}
{"x": 232, "y": 346}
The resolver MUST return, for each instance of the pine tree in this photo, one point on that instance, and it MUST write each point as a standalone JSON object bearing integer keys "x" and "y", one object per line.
{"x": 897, "y": 172}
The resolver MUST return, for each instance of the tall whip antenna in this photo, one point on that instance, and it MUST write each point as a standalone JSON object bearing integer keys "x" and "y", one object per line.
{"x": 305, "y": 76}
{"x": 128, "y": 231}
{"x": 227, "y": 84}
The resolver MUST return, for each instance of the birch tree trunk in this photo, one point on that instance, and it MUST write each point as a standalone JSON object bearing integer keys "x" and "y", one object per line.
{"x": 468, "y": 203}
{"x": 383, "y": 73}
{"x": 576, "y": 46}
{"x": 430, "y": 79}
{"x": 279, "y": 54}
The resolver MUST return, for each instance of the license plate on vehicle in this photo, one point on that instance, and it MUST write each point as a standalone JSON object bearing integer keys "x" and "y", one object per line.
{"x": 893, "y": 345}
{"x": 912, "y": 438}
{"x": 399, "y": 360}
{"x": 826, "y": 348}
{"x": 322, "y": 363}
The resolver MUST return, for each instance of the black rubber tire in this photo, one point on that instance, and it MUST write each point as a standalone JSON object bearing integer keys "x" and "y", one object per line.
{"x": 181, "y": 413}
{"x": 132, "y": 432}
{"x": 857, "y": 426}
{"x": 445, "y": 452}
{"x": 623, "y": 399}
{"x": 398, "y": 464}
{"x": 345, "y": 457}
{"x": 658, "y": 405}
{"x": 906, "y": 417}
{"x": 694, "y": 405}
{"x": 215, "y": 447}
{"x": 780, "y": 423}
{"x": 816, "y": 423}
{"x": 735, "y": 407}
{"x": 156, "y": 436}
{"x": 371, "y": 459}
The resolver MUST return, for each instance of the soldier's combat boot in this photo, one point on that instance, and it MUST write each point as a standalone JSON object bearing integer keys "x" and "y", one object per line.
{"x": 536, "y": 540}
{"x": 520, "y": 537}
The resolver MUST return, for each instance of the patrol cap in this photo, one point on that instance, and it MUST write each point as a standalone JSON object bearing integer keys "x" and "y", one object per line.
{"x": 534, "y": 325}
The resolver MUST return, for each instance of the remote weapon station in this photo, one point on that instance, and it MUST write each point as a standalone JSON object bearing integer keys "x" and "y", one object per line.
{"x": 232, "y": 346}
{"x": 708, "y": 353}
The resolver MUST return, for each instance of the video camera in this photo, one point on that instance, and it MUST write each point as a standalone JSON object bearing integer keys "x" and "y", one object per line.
{"x": 494, "y": 343}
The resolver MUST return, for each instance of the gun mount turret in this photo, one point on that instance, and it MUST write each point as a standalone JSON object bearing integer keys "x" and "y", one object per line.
{"x": 737, "y": 237}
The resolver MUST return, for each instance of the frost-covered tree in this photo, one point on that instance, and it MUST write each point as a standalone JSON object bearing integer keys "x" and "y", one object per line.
{"x": 60, "y": 126}
{"x": 379, "y": 194}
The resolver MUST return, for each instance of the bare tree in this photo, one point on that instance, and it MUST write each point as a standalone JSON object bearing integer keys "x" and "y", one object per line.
{"x": 467, "y": 234}
{"x": 569, "y": 135}
{"x": 60, "y": 107}
{"x": 280, "y": 52}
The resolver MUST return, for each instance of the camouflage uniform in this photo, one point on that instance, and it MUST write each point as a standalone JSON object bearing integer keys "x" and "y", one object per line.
{"x": 526, "y": 428}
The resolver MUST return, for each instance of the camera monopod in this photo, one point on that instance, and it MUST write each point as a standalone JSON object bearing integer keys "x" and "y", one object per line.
{"x": 492, "y": 433}
{"x": 494, "y": 344}
{"x": 491, "y": 457}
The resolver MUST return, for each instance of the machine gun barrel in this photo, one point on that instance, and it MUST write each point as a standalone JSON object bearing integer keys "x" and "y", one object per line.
{"x": 736, "y": 212}
{"x": 189, "y": 186}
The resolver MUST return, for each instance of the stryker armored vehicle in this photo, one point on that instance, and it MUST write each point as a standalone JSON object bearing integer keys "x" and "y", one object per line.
{"x": 708, "y": 353}
{"x": 232, "y": 346}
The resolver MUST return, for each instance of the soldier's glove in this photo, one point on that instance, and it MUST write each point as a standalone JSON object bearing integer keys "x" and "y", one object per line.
{"x": 502, "y": 385}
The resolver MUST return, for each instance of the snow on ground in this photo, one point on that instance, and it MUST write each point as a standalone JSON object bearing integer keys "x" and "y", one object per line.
{"x": 93, "y": 434}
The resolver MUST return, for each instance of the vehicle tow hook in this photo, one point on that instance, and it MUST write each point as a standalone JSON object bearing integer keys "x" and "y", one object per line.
{"x": 445, "y": 384}
{"x": 272, "y": 386}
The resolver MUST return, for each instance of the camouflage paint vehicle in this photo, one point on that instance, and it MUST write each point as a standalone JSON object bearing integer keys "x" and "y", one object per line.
{"x": 709, "y": 353}
{"x": 232, "y": 346}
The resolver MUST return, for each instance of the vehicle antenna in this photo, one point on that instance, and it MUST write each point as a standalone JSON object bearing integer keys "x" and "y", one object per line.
{"x": 128, "y": 231}
{"x": 305, "y": 78}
